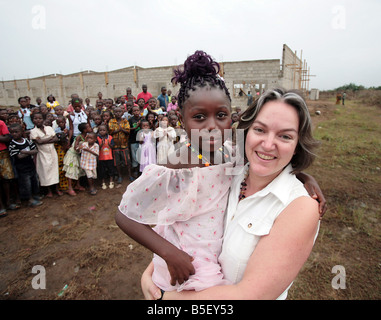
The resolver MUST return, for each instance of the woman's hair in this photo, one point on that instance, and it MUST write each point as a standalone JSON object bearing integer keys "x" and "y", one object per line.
{"x": 199, "y": 71}
{"x": 304, "y": 155}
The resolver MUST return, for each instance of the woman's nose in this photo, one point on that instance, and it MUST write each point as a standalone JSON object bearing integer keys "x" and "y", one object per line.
{"x": 268, "y": 142}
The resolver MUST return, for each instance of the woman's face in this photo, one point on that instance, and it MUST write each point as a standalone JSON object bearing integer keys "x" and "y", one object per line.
{"x": 272, "y": 139}
{"x": 207, "y": 115}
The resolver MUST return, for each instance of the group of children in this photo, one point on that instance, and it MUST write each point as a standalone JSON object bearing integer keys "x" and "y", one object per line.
{"x": 81, "y": 143}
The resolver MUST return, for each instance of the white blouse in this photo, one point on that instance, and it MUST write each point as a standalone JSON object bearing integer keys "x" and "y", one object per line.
{"x": 253, "y": 217}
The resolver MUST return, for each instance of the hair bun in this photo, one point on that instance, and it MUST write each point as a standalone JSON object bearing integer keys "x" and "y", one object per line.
{"x": 198, "y": 65}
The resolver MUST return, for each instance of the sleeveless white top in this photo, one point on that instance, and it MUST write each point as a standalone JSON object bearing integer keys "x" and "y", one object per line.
{"x": 253, "y": 217}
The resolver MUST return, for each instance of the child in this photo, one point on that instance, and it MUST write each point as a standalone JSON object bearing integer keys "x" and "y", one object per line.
{"x": 97, "y": 122}
{"x": 52, "y": 104}
{"x": 77, "y": 117}
{"x": 24, "y": 113}
{"x": 89, "y": 153}
{"x": 21, "y": 151}
{"x": 72, "y": 159}
{"x": 106, "y": 116}
{"x": 152, "y": 107}
{"x": 147, "y": 149}
{"x": 166, "y": 135}
{"x": 47, "y": 160}
{"x": 152, "y": 120}
{"x": 119, "y": 129}
{"x": 6, "y": 169}
{"x": 134, "y": 145}
{"x": 106, "y": 162}
{"x": 189, "y": 220}
{"x": 62, "y": 133}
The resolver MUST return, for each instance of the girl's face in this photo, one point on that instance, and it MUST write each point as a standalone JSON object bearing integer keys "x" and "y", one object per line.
{"x": 164, "y": 122}
{"x": 102, "y": 131}
{"x": 44, "y": 110}
{"x": 97, "y": 120}
{"x": 16, "y": 133}
{"x": 206, "y": 115}
{"x": 90, "y": 138}
{"x": 61, "y": 123}
{"x": 152, "y": 103}
{"x": 118, "y": 113}
{"x": 141, "y": 103}
{"x": 272, "y": 139}
{"x": 38, "y": 120}
{"x": 3, "y": 115}
{"x": 59, "y": 111}
{"x": 145, "y": 125}
{"x": 150, "y": 117}
{"x": 106, "y": 117}
{"x": 77, "y": 107}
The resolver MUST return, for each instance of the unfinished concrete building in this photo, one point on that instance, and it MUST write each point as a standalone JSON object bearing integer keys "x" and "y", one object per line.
{"x": 241, "y": 77}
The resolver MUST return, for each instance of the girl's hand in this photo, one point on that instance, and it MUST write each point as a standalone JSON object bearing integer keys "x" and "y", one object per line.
{"x": 315, "y": 192}
{"x": 179, "y": 265}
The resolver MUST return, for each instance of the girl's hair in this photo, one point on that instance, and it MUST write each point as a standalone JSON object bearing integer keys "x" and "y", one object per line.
{"x": 143, "y": 121}
{"x": 54, "y": 99}
{"x": 304, "y": 155}
{"x": 199, "y": 71}
{"x": 103, "y": 125}
{"x": 82, "y": 126}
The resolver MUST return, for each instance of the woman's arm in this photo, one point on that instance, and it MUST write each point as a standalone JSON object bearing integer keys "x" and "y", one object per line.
{"x": 276, "y": 260}
{"x": 178, "y": 262}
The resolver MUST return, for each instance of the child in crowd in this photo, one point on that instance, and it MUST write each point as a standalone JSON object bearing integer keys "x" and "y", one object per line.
{"x": 106, "y": 162}
{"x": 100, "y": 107}
{"x": 140, "y": 102}
{"x": 165, "y": 135}
{"x": 173, "y": 104}
{"x": 89, "y": 153}
{"x": 62, "y": 132}
{"x": 153, "y": 107}
{"x": 24, "y": 113}
{"x": 106, "y": 117}
{"x": 119, "y": 129}
{"x": 52, "y": 104}
{"x": 77, "y": 117}
{"x": 152, "y": 120}
{"x": 22, "y": 151}
{"x": 97, "y": 122}
{"x": 72, "y": 159}
{"x": 6, "y": 169}
{"x": 147, "y": 150}
{"x": 134, "y": 145}
{"x": 47, "y": 160}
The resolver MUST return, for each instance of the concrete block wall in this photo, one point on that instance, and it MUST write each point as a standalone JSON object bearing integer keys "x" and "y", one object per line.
{"x": 254, "y": 76}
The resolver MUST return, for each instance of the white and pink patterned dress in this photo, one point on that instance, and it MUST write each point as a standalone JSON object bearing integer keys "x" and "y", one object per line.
{"x": 188, "y": 208}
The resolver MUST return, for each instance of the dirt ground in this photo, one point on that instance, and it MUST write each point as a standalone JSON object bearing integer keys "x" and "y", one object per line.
{"x": 79, "y": 245}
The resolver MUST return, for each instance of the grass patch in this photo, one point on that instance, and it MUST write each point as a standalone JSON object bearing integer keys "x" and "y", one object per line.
{"x": 348, "y": 169}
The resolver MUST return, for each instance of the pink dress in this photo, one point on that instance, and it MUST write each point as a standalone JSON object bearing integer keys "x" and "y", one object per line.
{"x": 188, "y": 208}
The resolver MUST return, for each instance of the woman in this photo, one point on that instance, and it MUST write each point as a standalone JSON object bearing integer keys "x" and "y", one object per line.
{"x": 271, "y": 222}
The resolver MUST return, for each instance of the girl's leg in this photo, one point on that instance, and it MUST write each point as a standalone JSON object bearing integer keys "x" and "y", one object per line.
{"x": 70, "y": 189}
{"x": 50, "y": 193}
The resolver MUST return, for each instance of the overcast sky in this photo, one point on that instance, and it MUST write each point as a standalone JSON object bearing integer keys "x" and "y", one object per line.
{"x": 340, "y": 39}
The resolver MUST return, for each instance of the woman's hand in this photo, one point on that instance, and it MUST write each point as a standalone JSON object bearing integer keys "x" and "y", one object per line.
{"x": 150, "y": 290}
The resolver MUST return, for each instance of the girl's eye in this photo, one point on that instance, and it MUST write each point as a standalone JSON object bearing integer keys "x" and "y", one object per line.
{"x": 199, "y": 116}
{"x": 221, "y": 115}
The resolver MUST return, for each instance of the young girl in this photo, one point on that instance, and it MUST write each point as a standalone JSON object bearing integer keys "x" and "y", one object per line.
{"x": 147, "y": 149}
{"x": 47, "y": 160}
{"x": 106, "y": 116}
{"x": 189, "y": 218}
{"x": 166, "y": 135}
{"x": 89, "y": 153}
{"x": 106, "y": 162}
{"x": 51, "y": 104}
{"x": 77, "y": 117}
{"x": 62, "y": 133}
{"x": 72, "y": 159}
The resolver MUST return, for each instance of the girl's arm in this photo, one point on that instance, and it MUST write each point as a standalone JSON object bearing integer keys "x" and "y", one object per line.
{"x": 178, "y": 262}
{"x": 313, "y": 190}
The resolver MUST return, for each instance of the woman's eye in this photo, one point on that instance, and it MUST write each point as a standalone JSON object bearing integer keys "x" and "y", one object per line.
{"x": 259, "y": 130}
